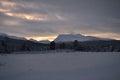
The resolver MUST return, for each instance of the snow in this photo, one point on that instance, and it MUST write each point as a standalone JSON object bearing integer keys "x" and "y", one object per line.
{"x": 60, "y": 66}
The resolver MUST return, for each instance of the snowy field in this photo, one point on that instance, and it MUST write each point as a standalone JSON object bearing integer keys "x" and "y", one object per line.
{"x": 60, "y": 66}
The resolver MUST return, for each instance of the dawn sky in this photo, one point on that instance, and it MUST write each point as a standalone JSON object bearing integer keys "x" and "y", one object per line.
{"x": 45, "y": 19}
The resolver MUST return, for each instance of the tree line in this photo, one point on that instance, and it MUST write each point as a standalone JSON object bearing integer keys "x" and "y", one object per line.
{"x": 88, "y": 46}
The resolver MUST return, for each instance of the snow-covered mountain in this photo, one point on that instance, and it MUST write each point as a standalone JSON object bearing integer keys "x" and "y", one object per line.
{"x": 41, "y": 41}
{"x": 79, "y": 37}
{"x": 11, "y": 37}
{"x": 44, "y": 41}
{"x": 33, "y": 40}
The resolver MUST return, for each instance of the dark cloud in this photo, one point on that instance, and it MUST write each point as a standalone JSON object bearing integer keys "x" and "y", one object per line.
{"x": 52, "y": 17}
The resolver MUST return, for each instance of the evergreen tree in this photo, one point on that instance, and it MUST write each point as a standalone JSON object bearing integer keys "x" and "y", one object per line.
{"x": 75, "y": 44}
{"x": 62, "y": 46}
{"x": 52, "y": 45}
{"x": 4, "y": 44}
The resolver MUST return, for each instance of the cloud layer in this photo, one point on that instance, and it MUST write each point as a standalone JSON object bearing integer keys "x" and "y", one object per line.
{"x": 48, "y": 18}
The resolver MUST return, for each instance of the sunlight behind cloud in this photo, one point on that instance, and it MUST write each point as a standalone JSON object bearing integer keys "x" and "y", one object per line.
{"x": 7, "y": 3}
{"x": 4, "y": 10}
{"x": 8, "y": 8}
{"x": 36, "y": 17}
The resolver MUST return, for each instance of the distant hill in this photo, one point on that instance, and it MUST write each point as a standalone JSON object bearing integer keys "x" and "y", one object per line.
{"x": 11, "y": 37}
{"x": 41, "y": 41}
{"x": 79, "y": 37}
{"x": 44, "y": 41}
{"x": 10, "y": 44}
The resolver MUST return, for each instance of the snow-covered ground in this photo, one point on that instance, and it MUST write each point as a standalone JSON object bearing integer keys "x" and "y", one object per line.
{"x": 60, "y": 66}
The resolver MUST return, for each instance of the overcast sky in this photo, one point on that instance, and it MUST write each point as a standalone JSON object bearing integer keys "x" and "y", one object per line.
{"x": 42, "y": 19}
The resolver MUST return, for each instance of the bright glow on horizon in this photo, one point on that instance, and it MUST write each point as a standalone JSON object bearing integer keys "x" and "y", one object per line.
{"x": 105, "y": 35}
{"x": 50, "y": 38}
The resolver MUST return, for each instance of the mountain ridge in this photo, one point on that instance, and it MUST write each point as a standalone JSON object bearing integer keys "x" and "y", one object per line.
{"x": 3, "y": 35}
{"x": 11, "y": 37}
{"x": 79, "y": 37}
{"x": 60, "y": 38}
